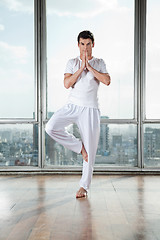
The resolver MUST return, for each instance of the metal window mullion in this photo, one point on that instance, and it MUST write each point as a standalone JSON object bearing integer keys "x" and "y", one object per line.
{"x": 18, "y": 121}
{"x": 137, "y": 77}
{"x": 142, "y": 73}
{"x": 43, "y": 78}
{"x": 35, "y": 60}
{"x": 37, "y": 75}
{"x": 136, "y": 58}
{"x": 40, "y": 55}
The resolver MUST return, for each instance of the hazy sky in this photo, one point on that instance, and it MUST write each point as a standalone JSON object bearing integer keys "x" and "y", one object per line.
{"x": 111, "y": 21}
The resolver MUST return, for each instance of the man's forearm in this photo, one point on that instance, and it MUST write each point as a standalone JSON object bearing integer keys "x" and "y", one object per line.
{"x": 71, "y": 80}
{"x": 102, "y": 77}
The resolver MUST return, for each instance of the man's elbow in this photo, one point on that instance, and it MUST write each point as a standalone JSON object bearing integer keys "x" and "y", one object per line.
{"x": 66, "y": 85}
{"x": 108, "y": 80}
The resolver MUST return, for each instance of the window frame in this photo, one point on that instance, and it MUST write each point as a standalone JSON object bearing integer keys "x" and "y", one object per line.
{"x": 40, "y": 79}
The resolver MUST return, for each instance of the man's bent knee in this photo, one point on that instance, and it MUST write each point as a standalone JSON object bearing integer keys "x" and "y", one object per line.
{"x": 51, "y": 128}
{"x": 48, "y": 129}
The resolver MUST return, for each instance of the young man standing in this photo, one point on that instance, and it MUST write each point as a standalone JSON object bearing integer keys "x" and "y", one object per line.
{"x": 83, "y": 74}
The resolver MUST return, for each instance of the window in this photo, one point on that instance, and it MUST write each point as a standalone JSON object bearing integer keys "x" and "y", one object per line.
{"x": 112, "y": 23}
{"x": 117, "y": 147}
{"x": 152, "y": 60}
{"x": 16, "y": 59}
{"x": 32, "y": 88}
{"x": 113, "y": 26}
{"x": 152, "y": 97}
{"x": 18, "y": 145}
{"x": 19, "y": 131}
{"x": 152, "y": 145}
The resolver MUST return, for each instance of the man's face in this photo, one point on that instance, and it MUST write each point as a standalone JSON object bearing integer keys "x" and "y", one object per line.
{"x": 85, "y": 45}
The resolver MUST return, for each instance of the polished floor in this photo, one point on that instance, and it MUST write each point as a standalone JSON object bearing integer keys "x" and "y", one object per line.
{"x": 121, "y": 207}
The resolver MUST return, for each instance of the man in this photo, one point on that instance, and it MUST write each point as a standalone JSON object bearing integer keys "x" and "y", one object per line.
{"x": 83, "y": 75}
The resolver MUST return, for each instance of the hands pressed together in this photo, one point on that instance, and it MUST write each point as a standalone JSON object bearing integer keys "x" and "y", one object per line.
{"x": 71, "y": 79}
{"x": 85, "y": 63}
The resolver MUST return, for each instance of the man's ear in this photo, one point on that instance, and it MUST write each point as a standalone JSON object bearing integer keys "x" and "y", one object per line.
{"x": 93, "y": 44}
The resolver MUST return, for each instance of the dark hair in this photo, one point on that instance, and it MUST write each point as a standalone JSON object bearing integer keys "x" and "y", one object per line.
{"x": 85, "y": 34}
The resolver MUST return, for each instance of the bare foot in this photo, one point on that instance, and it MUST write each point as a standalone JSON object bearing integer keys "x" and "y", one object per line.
{"x": 81, "y": 193}
{"x": 84, "y": 153}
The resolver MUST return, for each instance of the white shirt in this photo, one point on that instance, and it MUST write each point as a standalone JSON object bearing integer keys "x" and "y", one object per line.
{"x": 84, "y": 91}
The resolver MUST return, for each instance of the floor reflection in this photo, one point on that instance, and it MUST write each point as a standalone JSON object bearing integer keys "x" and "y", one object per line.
{"x": 86, "y": 230}
{"x": 140, "y": 232}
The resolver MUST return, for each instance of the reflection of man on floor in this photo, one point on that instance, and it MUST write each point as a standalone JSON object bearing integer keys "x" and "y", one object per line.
{"x": 83, "y": 74}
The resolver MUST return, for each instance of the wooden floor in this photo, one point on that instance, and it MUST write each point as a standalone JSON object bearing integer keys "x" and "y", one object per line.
{"x": 44, "y": 207}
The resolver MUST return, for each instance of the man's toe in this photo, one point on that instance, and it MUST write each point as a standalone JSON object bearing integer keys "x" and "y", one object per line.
{"x": 81, "y": 194}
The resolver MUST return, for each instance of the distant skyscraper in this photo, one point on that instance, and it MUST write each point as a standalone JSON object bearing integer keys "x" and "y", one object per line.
{"x": 103, "y": 146}
{"x": 116, "y": 140}
{"x": 35, "y": 137}
{"x": 6, "y": 136}
{"x": 152, "y": 143}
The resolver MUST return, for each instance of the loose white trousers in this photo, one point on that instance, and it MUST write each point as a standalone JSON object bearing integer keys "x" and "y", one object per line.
{"x": 88, "y": 122}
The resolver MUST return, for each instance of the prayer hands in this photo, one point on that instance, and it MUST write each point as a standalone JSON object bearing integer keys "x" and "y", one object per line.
{"x": 85, "y": 63}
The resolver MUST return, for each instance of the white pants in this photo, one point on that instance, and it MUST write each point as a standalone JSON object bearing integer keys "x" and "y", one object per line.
{"x": 88, "y": 122}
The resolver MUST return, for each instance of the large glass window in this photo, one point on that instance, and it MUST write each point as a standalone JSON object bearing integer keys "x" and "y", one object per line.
{"x": 117, "y": 147}
{"x": 18, "y": 142}
{"x": 152, "y": 145}
{"x": 112, "y": 23}
{"x": 18, "y": 145}
{"x": 16, "y": 59}
{"x": 153, "y": 60}
{"x": 152, "y": 97}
